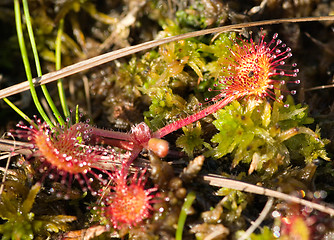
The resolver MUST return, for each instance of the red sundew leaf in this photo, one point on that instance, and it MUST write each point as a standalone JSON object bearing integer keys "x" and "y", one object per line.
{"x": 128, "y": 203}
{"x": 252, "y": 67}
{"x": 63, "y": 153}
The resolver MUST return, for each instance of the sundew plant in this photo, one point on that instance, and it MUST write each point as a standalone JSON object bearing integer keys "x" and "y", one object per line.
{"x": 204, "y": 137}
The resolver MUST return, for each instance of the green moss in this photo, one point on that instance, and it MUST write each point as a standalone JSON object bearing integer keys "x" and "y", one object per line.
{"x": 177, "y": 69}
{"x": 165, "y": 106}
{"x": 191, "y": 139}
{"x": 192, "y": 17}
{"x": 16, "y": 208}
{"x": 234, "y": 202}
{"x": 266, "y": 137}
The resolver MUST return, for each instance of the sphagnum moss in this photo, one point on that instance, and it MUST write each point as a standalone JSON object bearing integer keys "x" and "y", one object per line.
{"x": 18, "y": 209}
{"x": 264, "y": 137}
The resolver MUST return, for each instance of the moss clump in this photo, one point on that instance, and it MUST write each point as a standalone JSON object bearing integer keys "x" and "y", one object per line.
{"x": 234, "y": 202}
{"x": 191, "y": 139}
{"x": 266, "y": 137}
{"x": 21, "y": 222}
{"x": 178, "y": 70}
{"x": 165, "y": 106}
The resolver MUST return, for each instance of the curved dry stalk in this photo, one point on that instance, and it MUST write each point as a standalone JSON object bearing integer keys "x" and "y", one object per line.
{"x": 5, "y": 172}
{"x": 219, "y": 181}
{"x": 4, "y": 175}
{"x": 110, "y": 56}
{"x": 15, "y": 147}
{"x": 259, "y": 220}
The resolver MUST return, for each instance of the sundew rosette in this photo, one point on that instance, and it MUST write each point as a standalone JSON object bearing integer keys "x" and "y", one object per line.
{"x": 251, "y": 69}
{"x": 256, "y": 69}
{"x": 64, "y": 153}
{"x": 127, "y": 203}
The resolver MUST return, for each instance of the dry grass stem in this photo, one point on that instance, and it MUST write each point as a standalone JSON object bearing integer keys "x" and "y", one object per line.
{"x": 219, "y": 181}
{"x": 259, "y": 220}
{"x": 110, "y": 56}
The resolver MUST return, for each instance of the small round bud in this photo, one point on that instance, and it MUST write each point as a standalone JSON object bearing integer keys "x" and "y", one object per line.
{"x": 159, "y": 146}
